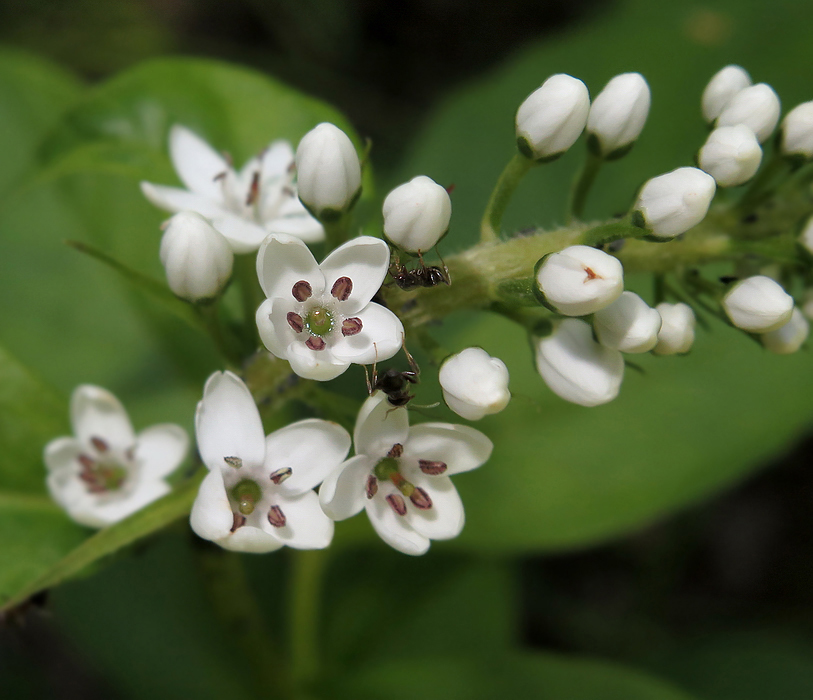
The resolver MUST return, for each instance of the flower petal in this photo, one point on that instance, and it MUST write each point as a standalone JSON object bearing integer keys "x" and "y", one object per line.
{"x": 227, "y": 423}
{"x": 445, "y": 519}
{"x": 277, "y": 158}
{"x": 395, "y": 529}
{"x": 310, "y": 364}
{"x": 251, "y": 540}
{"x": 160, "y": 449}
{"x": 462, "y": 448}
{"x": 95, "y": 412}
{"x": 272, "y": 324}
{"x": 342, "y": 493}
{"x": 365, "y": 261}
{"x": 381, "y": 337}
{"x": 175, "y": 199}
{"x": 282, "y": 262}
{"x": 302, "y": 226}
{"x": 379, "y": 426}
{"x": 147, "y": 491}
{"x": 312, "y": 448}
{"x": 60, "y": 455}
{"x": 306, "y": 526}
{"x": 243, "y": 236}
{"x": 197, "y": 163}
{"x": 212, "y": 517}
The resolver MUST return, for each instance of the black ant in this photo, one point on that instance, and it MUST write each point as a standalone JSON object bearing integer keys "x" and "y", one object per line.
{"x": 422, "y": 276}
{"x": 393, "y": 383}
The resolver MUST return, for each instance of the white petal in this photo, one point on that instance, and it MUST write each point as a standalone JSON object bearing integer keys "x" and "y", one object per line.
{"x": 365, "y": 261}
{"x": 277, "y": 159}
{"x": 306, "y": 526}
{"x": 251, "y": 540}
{"x": 272, "y": 324}
{"x": 243, "y": 236}
{"x": 445, "y": 519}
{"x": 212, "y": 517}
{"x": 146, "y": 491}
{"x": 95, "y": 412}
{"x": 381, "y": 337}
{"x": 174, "y": 199}
{"x": 312, "y": 448}
{"x": 302, "y": 226}
{"x": 197, "y": 163}
{"x": 60, "y": 455}
{"x": 395, "y": 529}
{"x": 379, "y": 426}
{"x": 160, "y": 449}
{"x": 343, "y": 492}
{"x": 282, "y": 262}
{"x": 460, "y": 447}
{"x": 227, "y": 423}
{"x": 311, "y": 364}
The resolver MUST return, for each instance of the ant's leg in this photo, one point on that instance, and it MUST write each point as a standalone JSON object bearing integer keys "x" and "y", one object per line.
{"x": 414, "y": 376}
{"x": 447, "y": 278}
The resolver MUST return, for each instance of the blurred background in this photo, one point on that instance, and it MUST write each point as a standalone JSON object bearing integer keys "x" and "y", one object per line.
{"x": 703, "y": 578}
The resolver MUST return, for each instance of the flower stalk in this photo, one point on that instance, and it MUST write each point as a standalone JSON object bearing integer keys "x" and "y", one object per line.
{"x": 507, "y": 183}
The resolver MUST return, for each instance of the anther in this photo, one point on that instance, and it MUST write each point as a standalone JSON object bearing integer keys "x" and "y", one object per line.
{"x": 396, "y": 451}
{"x": 288, "y": 192}
{"x": 590, "y": 274}
{"x": 421, "y": 499}
{"x": 372, "y": 486}
{"x": 238, "y": 521}
{"x": 397, "y": 503}
{"x": 315, "y": 343}
{"x": 351, "y": 326}
{"x": 342, "y": 288}
{"x": 235, "y": 462}
{"x": 432, "y": 467}
{"x": 295, "y": 321}
{"x": 254, "y": 189}
{"x": 302, "y": 291}
{"x": 276, "y": 517}
{"x": 100, "y": 444}
{"x": 281, "y": 475}
{"x": 86, "y": 462}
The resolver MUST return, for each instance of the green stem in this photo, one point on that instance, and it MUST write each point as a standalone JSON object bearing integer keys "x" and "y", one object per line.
{"x": 501, "y": 195}
{"x": 336, "y": 231}
{"x": 209, "y": 315}
{"x": 582, "y": 184}
{"x": 251, "y": 294}
{"x": 308, "y": 567}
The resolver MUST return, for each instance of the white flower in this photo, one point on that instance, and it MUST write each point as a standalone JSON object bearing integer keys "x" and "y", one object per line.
{"x": 551, "y": 119}
{"x": 197, "y": 259}
{"x": 107, "y": 472}
{"x": 758, "y": 304}
{"x": 417, "y": 214}
{"x": 797, "y": 131}
{"x": 676, "y": 335}
{"x": 673, "y": 203}
{"x": 721, "y": 88}
{"x": 401, "y": 476}
{"x": 328, "y": 170}
{"x": 789, "y": 338}
{"x": 757, "y": 107}
{"x": 474, "y": 384}
{"x": 731, "y": 155}
{"x": 320, "y": 317}
{"x": 629, "y": 324}
{"x": 619, "y": 113}
{"x": 580, "y": 280}
{"x": 244, "y": 206}
{"x": 576, "y": 367}
{"x": 258, "y": 495}
{"x": 806, "y": 236}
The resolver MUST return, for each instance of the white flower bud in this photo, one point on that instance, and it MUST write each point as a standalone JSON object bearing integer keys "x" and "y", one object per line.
{"x": 789, "y": 338}
{"x": 676, "y": 335}
{"x": 580, "y": 280}
{"x": 618, "y": 114}
{"x": 629, "y": 324}
{"x": 797, "y": 131}
{"x": 576, "y": 367}
{"x": 806, "y": 236}
{"x": 758, "y": 304}
{"x": 196, "y": 257}
{"x": 721, "y": 88}
{"x": 327, "y": 171}
{"x": 731, "y": 155}
{"x": 417, "y": 214}
{"x": 474, "y": 383}
{"x": 757, "y": 107}
{"x": 551, "y": 119}
{"x": 671, "y": 204}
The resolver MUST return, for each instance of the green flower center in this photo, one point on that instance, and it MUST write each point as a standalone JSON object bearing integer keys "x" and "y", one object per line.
{"x": 247, "y": 493}
{"x": 386, "y": 468}
{"x": 319, "y": 321}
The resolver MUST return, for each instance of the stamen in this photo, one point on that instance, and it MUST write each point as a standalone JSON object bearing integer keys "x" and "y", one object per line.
{"x": 129, "y": 453}
{"x": 238, "y": 521}
{"x": 397, "y": 503}
{"x": 281, "y": 475}
{"x": 342, "y": 288}
{"x": 590, "y": 274}
{"x": 302, "y": 291}
{"x": 432, "y": 467}
{"x": 315, "y": 343}
{"x": 254, "y": 189}
{"x": 276, "y": 517}
{"x": 288, "y": 192}
{"x": 351, "y": 326}
{"x": 295, "y": 321}
{"x": 372, "y": 486}
{"x": 100, "y": 444}
{"x": 421, "y": 499}
{"x": 235, "y": 462}
{"x": 86, "y": 462}
{"x": 396, "y": 451}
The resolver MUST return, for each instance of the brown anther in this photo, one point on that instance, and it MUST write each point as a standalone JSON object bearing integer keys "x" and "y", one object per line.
{"x": 235, "y": 462}
{"x": 342, "y": 288}
{"x": 100, "y": 444}
{"x": 87, "y": 476}
{"x": 288, "y": 192}
{"x": 276, "y": 517}
{"x": 129, "y": 453}
{"x": 86, "y": 462}
{"x": 302, "y": 291}
{"x": 450, "y": 188}
{"x": 295, "y": 321}
{"x": 433, "y": 468}
{"x": 219, "y": 176}
{"x": 396, "y": 451}
{"x": 351, "y": 326}
{"x": 281, "y": 475}
{"x": 315, "y": 343}
{"x": 397, "y": 503}
{"x": 96, "y": 488}
{"x": 372, "y": 486}
{"x": 254, "y": 189}
{"x": 420, "y": 499}
{"x": 238, "y": 520}
{"x": 292, "y": 166}
{"x": 590, "y": 274}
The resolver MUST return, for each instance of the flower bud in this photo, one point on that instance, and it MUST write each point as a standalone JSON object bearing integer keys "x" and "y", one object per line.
{"x": 576, "y": 367}
{"x": 797, "y": 131}
{"x": 328, "y": 172}
{"x": 721, "y": 88}
{"x": 757, "y": 107}
{"x": 618, "y": 114}
{"x": 671, "y": 204}
{"x": 789, "y": 338}
{"x": 474, "y": 383}
{"x": 552, "y": 118}
{"x": 676, "y": 335}
{"x": 417, "y": 214}
{"x": 758, "y": 305}
{"x": 196, "y": 257}
{"x": 580, "y": 280}
{"x": 629, "y": 324}
{"x": 731, "y": 155}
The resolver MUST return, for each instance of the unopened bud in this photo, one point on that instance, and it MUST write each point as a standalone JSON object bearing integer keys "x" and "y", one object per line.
{"x": 417, "y": 214}
{"x": 758, "y": 305}
{"x": 629, "y": 324}
{"x": 731, "y": 155}
{"x": 474, "y": 384}
{"x": 789, "y": 338}
{"x": 672, "y": 203}
{"x": 757, "y": 107}
{"x": 618, "y": 114}
{"x": 676, "y": 335}
{"x": 797, "y": 131}
{"x": 721, "y": 88}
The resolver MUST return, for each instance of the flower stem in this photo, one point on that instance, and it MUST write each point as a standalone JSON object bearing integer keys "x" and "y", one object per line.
{"x": 336, "y": 231}
{"x": 501, "y": 195}
{"x": 251, "y": 294}
{"x": 209, "y": 315}
{"x": 582, "y": 184}
{"x": 304, "y": 594}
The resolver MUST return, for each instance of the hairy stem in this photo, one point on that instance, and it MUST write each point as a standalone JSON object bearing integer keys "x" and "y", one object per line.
{"x": 503, "y": 191}
{"x": 582, "y": 184}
